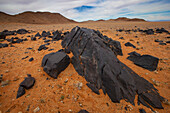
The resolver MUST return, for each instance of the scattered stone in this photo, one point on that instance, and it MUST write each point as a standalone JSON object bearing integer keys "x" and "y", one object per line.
{"x": 47, "y": 41}
{"x": 44, "y": 38}
{"x": 21, "y": 31}
{"x": 50, "y": 49}
{"x": 145, "y": 61}
{"x": 21, "y": 91}
{"x": 2, "y": 35}
{"x": 157, "y": 40}
{"x": 42, "y": 47}
{"x": 121, "y": 38}
{"x": 28, "y": 82}
{"x": 156, "y": 83}
{"x": 129, "y": 107}
{"x": 162, "y": 43}
{"x": 2, "y": 45}
{"x": 25, "y": 57}
{"x": 31, "y": 59}
{"x": 54, "y": 63}
{"x": 83, "y": 111}
{"x": 33, "y": 38}
{"x": 130, "y": 45}
{"x": 38, "y": 35}
{"x": 167, "y": 41}
{"x": 168, "y": 37}
{"x": 57, "y": 36}
{"x": 36, "y": 109}
{"x": 142, "y": 111}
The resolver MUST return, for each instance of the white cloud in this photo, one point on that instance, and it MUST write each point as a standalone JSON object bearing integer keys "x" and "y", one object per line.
{"x": 104, "y": 9}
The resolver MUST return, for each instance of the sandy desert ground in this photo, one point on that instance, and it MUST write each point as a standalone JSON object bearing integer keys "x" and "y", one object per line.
{"x": 56, "y": 95}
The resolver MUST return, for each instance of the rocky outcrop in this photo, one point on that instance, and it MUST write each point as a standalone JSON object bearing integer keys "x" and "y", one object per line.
{"x": 95, "y": 59}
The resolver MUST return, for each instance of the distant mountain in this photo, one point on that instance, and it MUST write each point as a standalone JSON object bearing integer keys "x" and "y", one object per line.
{"x": 35, "y": 18}
{"x": 119, "y": 19}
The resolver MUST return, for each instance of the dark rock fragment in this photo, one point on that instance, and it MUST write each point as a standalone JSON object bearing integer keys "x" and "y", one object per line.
{"x": 54, "y": 63}
{"x": 83, "y": 111}
{"x": 37, "y": 35}
{"x": 57, "y": 36}
{"x": 33, "y": 38}
{"x": 2, "y": 45}
{"x": 21, "y": 31}
{"x": 42, "y": 47}
{"x": 145, "y": 61}
{"x": 121, "y": 38}
{"x": 2, "y": 35}
{"x": 149, "y": 31}
{"x": 162, "y": 43}
{"x": 50, "y": 49}
{"x": 162, "y": 30}
{"x": 130, "y": 45}
{"x": 142, "y": 111}
{"x": 24, "y": 57}
{"x": 167, "y": 41}
{"x": 157, "y": 40}
{"x": 93, "y": 88}
{"x": 20, "y": 92}
{"x": 31, "y": 59}
{"x": 28, "y": 82}
{"x": 47, "y": 41}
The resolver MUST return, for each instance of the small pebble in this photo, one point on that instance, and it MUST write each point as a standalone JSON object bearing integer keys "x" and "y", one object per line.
{"x": 36, "y": 109}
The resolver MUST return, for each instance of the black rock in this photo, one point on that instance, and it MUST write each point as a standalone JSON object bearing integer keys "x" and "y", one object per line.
{"x": 31, "y": 59}
{"x": 44, "y": 38}
{"x": 167, "y": 41}
{"x": 42, "y": 47}
{"x": 130, "y": 45}
{"x": 24, "y": 57}
{"x": 157, "y": 40}
{"x": 142, "y": 111}
{"x": 57, "y": 36}
{"x": 47, "y": 44}
{"x": 19, "y": 40}
{"x": 33, "y": 38}
{"x": 29, "y": 48}
{"x": 121, "y": 38}
{"x": 21, "y": 31}
{"x": 2, "y": 45}
{"x": 50, "y": 49}
{"x": 37, "y": 35}
{"x": 65, "y": 33}
{"x": 83, "y": 111}
{"x": 2, "y": 35}
{"x": 47, "y": 41}
{"x": 162, "y": 43}
{"x": 25, "y": 39}
{"x": 93, "y": 88}
{"x": 7, "y": 33}
{"x": 149, "y": 31}
{"x": 162, "y": 30}
{"x": 96, "y": 61}
{"x": 168, "y": 37}
{"x": 20, "y": 92}
{"x": 54, "y": 63}
{"x": 145, "y": 61}
{"x": 45, "y": 34}
{"x": 28, "y": 82}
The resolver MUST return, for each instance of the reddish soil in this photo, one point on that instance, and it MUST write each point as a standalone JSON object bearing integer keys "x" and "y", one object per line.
{"x": 48, "y": 94}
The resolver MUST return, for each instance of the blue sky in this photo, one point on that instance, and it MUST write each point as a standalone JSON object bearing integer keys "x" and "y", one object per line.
{"x": 82, "y": 10}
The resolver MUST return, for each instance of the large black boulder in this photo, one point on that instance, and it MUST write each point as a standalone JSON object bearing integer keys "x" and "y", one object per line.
{"x": 145, "y": 61}
{"x": 28, "y": 82}
{"x": 98, "y": 63}
{"x": 54, "y": 63}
